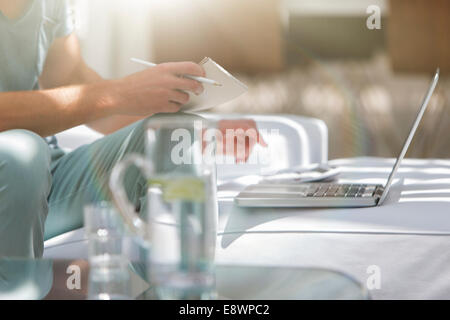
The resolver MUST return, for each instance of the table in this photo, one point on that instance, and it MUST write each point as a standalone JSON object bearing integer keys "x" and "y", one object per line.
{"x": 406, "y": 238}
{"x": 404, "y": 242}
{"x": 47, "y": 279}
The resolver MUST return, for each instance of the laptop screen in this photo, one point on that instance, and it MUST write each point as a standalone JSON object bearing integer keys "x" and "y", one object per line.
{"x": 416, "y": 123}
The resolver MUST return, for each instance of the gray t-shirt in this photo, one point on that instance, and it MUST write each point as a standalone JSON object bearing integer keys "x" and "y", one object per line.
{"x": 24, "y": 42}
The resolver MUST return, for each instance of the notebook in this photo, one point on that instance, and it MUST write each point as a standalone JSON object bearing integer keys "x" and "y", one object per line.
{"x": 213, "y": 96}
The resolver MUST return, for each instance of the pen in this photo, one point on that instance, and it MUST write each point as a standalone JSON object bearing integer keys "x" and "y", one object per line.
{"x": 199, "y": 79}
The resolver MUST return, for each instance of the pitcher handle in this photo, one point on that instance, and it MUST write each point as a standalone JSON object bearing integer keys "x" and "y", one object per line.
{"x": 120, "y": 197}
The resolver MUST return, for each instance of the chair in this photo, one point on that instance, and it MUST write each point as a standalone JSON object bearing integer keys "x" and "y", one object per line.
{"x": 295, "y": 141}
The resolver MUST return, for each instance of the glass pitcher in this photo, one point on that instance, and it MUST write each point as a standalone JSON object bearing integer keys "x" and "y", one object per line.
{"x": 179, "y": 224}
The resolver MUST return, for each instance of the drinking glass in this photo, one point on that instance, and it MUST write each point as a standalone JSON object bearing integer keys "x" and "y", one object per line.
{"x": 108, "y": 275}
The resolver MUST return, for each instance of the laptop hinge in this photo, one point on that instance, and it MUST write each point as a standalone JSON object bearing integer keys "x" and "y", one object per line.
{"x": 378, "y": 192}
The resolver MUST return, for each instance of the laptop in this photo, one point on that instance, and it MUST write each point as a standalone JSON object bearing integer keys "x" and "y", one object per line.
{"x": 329, "y": 194}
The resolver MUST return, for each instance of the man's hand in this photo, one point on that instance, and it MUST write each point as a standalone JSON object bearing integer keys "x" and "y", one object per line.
{"x": 239, "y": 137}
{"x": 157, "y": 89}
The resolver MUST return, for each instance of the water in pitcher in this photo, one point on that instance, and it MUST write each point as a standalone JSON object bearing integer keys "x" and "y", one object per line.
{"x": 184, "y": 233}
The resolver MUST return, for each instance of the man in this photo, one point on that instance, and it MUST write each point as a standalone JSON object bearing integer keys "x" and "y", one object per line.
{"x": 45, "y": 87}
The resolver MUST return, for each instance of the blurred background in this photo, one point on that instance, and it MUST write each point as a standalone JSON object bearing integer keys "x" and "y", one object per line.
{"x": 320, "y": 58}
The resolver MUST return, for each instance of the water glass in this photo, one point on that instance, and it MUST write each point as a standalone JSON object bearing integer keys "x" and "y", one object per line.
{"x": 109, "y": 278}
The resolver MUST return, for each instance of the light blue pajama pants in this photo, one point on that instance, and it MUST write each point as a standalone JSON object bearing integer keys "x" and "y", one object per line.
{"x": 43, "y": 190}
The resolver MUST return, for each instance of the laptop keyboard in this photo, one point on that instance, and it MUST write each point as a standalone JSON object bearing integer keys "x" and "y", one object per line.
{"x": 340, "y": 190}
{"x": 314, "y": 190}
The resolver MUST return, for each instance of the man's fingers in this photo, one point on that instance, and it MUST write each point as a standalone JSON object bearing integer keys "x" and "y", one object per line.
{"x": 243, "y": 144}
{"x": 182, "y": 68}
{"x": 179, "y": 97}
{"x": 261, "y": 140}
{"x": 244, "y": 124}
{"x": 188, "y": 85}
{"x": 173, "y": 106}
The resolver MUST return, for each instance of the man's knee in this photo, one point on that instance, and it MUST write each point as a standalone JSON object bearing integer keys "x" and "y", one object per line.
{"x": 24, "y": 161}
{"x": 174, "y": 116}
{"x": 25, "y": 181}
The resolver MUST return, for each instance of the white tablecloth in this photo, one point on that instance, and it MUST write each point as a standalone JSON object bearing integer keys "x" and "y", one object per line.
{"x": 407, "y": 238}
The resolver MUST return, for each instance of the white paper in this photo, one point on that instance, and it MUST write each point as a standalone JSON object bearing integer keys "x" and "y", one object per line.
{"x": 213, "y": 95}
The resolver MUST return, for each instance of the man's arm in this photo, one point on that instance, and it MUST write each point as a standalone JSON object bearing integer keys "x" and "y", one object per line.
{"x": 63, "y": 103}
{"x": 47, "y": 112}
{"x": 65, "y": 66}
{"x": 65, "y": 55}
